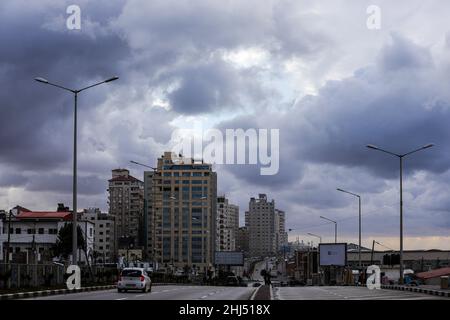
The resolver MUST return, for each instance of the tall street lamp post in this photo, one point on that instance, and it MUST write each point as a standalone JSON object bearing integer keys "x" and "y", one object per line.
{"x": 400, "y": 156}
{"x": 335, "y": 227}
{"x": 74, "y": 188}
{"x": 359, "y": 202}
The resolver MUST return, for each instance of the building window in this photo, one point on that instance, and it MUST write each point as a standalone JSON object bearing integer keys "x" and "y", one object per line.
{"x": 31, "y": 231}
{"x": 41, "y": 230}
{"x": 18, "y": 231}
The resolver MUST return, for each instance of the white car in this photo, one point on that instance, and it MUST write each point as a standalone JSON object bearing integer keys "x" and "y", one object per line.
{"x": 134, "y": 279}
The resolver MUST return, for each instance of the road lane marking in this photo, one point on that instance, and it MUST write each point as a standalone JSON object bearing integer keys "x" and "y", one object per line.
{"x": 204, "y": 297}
{"x": 140, "y": 295}
{"x": 121, "y": 298}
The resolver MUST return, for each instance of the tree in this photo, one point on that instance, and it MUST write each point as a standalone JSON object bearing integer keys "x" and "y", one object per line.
{"x": 63, "y": 245}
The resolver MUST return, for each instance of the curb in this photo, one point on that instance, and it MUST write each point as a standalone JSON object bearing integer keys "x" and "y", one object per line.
{"x": 252, "y": 297}
{"x": 419, "y": 290}
{"x": 23, "y": 295}
{"x": 414, "y": 289}
{"x": 254, "y": 293}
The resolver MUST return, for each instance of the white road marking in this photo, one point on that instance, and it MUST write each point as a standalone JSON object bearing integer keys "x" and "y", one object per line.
{"x": 140, "y": 295}
{"x": 204, "y": 297}
{"x": 121, "y": 298}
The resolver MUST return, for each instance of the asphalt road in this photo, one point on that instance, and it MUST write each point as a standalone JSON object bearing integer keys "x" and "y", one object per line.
{"x": 346, "y": 293}
{"x": 168, "y": 292}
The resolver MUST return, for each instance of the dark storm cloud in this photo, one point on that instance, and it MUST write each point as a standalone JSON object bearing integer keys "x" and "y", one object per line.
{"x": 392, "y": 108}
{"x": 206, "y": 88}
{"x": 391, "y": 104}
{"x": 35, "y": 119}
{"x": 62, "y": 184}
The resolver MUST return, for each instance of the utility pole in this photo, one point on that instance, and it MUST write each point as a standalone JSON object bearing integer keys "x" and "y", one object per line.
{"x": 371, "y": 256}
{"x": 9, "y": 237}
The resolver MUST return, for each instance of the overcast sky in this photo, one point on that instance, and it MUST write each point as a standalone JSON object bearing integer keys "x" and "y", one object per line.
{"x": 312, "y": 69}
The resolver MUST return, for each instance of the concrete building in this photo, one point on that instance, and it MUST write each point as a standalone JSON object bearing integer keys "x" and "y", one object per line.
{"x": 126, "y": 205}
{"x": 227, "y": 225}
{"x": 261, "y": 221}
{"x": 242, "y": 240}
{"x": 32, "y": 234}
{"x": 103, "y": 234}
{"x": 181, "y": 222}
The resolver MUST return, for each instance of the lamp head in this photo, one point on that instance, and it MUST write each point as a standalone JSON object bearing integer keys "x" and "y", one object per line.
{"x": 42, "y": 80}
{"x": 111, "y": 79}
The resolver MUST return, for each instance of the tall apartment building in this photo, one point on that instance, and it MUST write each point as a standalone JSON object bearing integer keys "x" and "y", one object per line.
{"x": 227, "y": 225}
{"x": 181, "y": 205}
{"x": 126, "y": 205}
{"x": 103, "y": 234}
{"x": 264, "y": 223}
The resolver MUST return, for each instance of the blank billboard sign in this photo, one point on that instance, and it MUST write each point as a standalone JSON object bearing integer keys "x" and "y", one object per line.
{"x": 333, "y": 254}
{"x": 229, "y": 258}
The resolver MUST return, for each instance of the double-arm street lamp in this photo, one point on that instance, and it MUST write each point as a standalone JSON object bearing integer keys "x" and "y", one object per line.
{"x": 74, "y": 204}
{"x": 335, "y": 227}
{"x": 400, "y": 156}
{"x": 359, "y": 202}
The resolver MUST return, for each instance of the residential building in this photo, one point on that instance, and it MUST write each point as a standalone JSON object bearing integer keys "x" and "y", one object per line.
{"x": 126, "y": 205}
{"x": 227, "y": 225}
{"x": 32, "y": 234}
{"x": 103, "y": 234}
{"x": 149, "y": 226}
{"x": 182, "y": 213}
{"x": 264, "y": 223}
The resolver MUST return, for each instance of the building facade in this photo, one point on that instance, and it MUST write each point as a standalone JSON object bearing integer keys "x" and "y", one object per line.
{"x": 242, "y": 240}
{"x": 227, "y": 225}
{"x": 281, "y": 236}
{"x": 264, "y": 223}
{"x": 126, "y": 206}
{"x": 32, "y": 234}
{"x": 103, "y": 234}
{"x": 181, "y": 221}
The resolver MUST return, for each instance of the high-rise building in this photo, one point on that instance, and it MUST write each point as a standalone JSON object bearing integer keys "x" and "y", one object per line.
{"x": 263, "y": 222}
{"x": 227, "y": 225}
{"x": 181, "y": 221}
{"x": 126, "y": 205}
{"x": 103, "y": 234}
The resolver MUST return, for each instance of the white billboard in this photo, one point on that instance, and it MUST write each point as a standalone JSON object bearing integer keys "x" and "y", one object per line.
{"x": 229, "y": 258}
{"x": 333, "y": 254}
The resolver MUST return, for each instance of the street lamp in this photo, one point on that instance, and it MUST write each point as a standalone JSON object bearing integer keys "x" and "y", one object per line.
{"x": 315, "y": 235}
{"x": 335, "y": 227}
{"x": 74, "y": 188}
{"x": 359, "y": 202}
{"x": 400, "y": 156}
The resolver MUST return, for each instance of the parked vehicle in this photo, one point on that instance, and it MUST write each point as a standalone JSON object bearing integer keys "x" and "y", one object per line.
{"x": 134, "y": 279}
